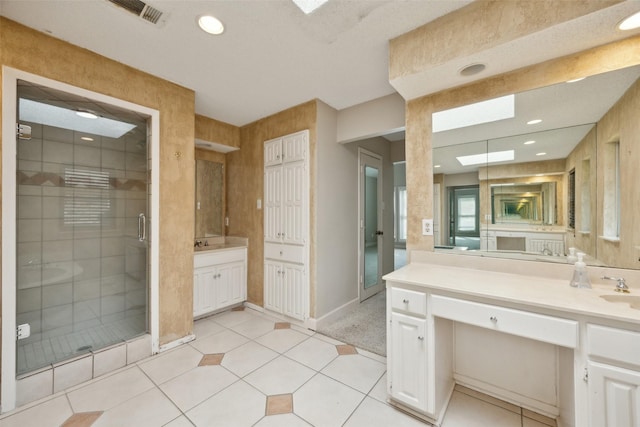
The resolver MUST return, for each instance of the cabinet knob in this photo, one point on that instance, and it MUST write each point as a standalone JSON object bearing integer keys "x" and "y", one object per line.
{"x": 406, "y": 301}
{"x": 494, "y": 319}
{"x": 421, "y": 338}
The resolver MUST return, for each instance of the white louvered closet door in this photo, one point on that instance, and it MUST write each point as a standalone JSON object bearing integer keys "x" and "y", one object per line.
{"x": 294, "y": 215}
{"x": 273, "y": 204}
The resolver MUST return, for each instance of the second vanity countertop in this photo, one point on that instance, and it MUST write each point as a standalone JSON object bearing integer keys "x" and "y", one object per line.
{"x": 516, "y": 289}
{"x": 221, "y": 244}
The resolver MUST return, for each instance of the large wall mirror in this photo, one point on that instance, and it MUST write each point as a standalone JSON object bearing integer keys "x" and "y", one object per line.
{"x": 209, "y": 199}
{"x": 554, "y": 169}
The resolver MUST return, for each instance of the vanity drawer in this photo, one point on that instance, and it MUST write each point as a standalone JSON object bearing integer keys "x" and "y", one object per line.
{"x": 615, "y": 344}
{"x": 539, "y": 327}
{"x": 280, "y": 252}
{"x": 409, "y": 301}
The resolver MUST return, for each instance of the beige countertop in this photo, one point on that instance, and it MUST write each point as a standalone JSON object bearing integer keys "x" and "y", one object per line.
{"x": 221, "y": 244}
{"x": 519, "y": 289}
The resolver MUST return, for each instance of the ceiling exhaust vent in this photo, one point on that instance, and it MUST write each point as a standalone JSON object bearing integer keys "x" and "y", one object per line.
{"x": 139, "y": 8}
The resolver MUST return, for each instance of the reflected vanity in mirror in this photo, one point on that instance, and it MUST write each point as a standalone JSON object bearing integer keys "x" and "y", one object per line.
{"x": 209, "y": 209}
{"x": 543, "y": 186}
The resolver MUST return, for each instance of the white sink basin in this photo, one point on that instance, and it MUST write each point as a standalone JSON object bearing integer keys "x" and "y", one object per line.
{"x": 632, "y": 300}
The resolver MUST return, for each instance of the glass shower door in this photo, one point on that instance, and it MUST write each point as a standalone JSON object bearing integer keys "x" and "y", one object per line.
{"x": 82, "y": 252}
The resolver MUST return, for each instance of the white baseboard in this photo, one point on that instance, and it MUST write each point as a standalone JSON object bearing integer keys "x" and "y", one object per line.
{"x": 176, "y": 343}
{"x": 334, "y": 314}
{"x": 254, "y": 307}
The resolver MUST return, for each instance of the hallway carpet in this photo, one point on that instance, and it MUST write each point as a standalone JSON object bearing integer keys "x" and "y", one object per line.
{"x": 364, "y": 327}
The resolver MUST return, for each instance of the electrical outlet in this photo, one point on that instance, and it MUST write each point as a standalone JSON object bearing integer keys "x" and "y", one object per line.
{"x": 427, "y": 227}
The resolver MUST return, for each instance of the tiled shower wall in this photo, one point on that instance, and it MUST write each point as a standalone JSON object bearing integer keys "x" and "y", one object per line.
{"x": 80, "y": 267}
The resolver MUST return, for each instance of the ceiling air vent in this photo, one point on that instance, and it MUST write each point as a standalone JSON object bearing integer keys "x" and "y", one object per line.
{"x": 139, "y": 8}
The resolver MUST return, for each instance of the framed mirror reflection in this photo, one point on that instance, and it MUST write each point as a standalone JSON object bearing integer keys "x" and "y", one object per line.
{"x": 552, "y": 172}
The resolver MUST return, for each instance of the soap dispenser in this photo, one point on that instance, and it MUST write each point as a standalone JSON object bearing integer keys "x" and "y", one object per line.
{"x": 580, "y": 277}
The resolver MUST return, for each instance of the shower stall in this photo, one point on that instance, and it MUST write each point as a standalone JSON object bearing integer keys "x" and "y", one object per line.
{"x": 82, "y": 201}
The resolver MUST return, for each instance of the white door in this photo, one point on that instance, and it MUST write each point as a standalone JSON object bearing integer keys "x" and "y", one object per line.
{"x": 293, "y": 204}
{"x": 273, "y": 204}
{"x": 273, "y": 286}
{"x": 371, "y": 233}
{"x": 229, "y": 284}
{"x": 614, "y": 396}
{"x": 294, "y": 146}
{"x": 273, "y": 152}
{"x": 408, "y": 367}
{"x": 204, "y": 291}
{"x": 293, "y": 280}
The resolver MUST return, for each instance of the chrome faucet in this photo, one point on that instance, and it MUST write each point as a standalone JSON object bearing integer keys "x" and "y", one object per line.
{"x": 621, "y": 286}
{"x": 546, "y": 251}
{"x": 197, "y": 244}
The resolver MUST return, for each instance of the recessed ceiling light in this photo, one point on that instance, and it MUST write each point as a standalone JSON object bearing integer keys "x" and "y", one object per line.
{"x": 534, "y": 122}
{"x": 211, "y": 24}
{"x": 86, "y": 138}
{"x": 630, "y": 23}
{"x": 576, "y": 80}
{"x": 87, "y": 114}
{"x": 529, "y": 142}
{"x": 541, "y": 154}
{"x": 436, "y": 166}
{"x": 472, "y": 69}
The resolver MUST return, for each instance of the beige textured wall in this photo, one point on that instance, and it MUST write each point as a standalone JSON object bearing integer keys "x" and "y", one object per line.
{"x": 480, "y": 25}
{"x": 622, "y": 124}
{"x": 418, "y": 115}
{"x": 213, "y": 130}
{"x": 245, "y": 185}
{"x": 58, "y": 60}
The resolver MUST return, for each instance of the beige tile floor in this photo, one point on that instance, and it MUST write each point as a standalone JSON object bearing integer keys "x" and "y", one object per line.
{"x": 247, "y": 369}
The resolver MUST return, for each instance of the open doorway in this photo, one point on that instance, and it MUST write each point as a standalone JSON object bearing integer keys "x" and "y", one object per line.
{"x": 464, "y": 217}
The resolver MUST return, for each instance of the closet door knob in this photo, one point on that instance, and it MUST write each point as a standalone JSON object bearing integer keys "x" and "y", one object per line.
{"x": 494, "y": 319}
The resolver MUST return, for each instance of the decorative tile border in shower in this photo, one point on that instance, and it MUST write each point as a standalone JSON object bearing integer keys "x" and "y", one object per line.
{"x": 52, "y": 179}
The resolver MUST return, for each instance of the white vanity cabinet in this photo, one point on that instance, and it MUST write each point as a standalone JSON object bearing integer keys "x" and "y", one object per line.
{"x": 220, "y": 280}
{"x": 614, "y": 376}
{"x": 407, "y": 351}
{"x": 286, "y": 225}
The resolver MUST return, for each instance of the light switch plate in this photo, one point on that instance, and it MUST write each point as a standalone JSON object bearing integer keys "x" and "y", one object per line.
{"x": 427, "y": 227}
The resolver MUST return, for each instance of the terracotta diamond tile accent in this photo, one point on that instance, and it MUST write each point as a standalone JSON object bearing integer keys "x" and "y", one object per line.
{"x": 240, "y": 308}
{"x": 211, "y": 359}
{"x": 282, "y": 325}
{"x": 82, "y": 419}
{"x": 280, "y": 404}
{"x": 346, "y": 349}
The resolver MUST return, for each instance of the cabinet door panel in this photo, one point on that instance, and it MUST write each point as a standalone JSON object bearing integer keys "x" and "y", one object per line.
{"x": 204, "y": 299}
{"x": 229, "y": 284}
{"x": 273, "y": 286}
{"x": 273, "y": 152}
{"x": 294, "y": 146}
{"x": 294, "y": 204}
{"x": 273, "y": 204}
{"x": 614, "y": 396}
{"x": 408, "y": 367}
{"x": 293, "y": 278}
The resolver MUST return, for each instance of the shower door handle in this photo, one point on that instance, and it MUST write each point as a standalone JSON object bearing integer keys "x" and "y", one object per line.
{"x": 142, "y": 227}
